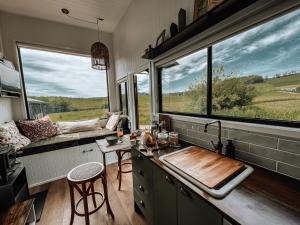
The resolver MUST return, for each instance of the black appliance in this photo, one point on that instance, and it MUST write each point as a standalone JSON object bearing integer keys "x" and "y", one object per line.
{"x": 7, "y": 162}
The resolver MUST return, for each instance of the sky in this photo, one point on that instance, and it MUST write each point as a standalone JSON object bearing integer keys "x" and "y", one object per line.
{"x": 56, "y": 74}
{"x": 143, "y": 82}
{"x": 269, "y": 49}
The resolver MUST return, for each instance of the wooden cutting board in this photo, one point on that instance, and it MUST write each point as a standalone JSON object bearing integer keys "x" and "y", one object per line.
{"x": 209, "y": 168}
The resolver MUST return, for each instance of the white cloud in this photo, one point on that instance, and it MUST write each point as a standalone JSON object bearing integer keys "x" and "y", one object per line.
{"x": 51, "y": 73}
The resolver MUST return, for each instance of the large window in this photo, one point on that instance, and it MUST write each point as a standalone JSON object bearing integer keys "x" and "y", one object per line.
{"x": 253, "y": 76}
{"x": 142, "y": 99}
{"x": 64, "y": 86}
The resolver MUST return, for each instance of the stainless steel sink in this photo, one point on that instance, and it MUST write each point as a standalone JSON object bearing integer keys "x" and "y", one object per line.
{"x": 217, "y": 193}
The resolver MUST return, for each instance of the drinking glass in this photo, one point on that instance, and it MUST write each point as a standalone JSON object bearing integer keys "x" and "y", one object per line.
{"x": 120, "y": 134}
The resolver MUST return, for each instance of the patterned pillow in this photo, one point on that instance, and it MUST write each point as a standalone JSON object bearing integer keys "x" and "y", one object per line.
{"x": 112, "y": 122}
{"x": 10, "y": 135}
{"x": 38, "y": 129}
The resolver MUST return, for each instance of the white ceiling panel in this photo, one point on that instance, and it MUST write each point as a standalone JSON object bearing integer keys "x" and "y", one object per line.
{"x": 111, "y": 10}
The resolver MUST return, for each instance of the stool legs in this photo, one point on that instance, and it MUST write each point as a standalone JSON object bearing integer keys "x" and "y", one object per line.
{"x": 72, "y": 204}
{"x": 93, "y": 194}
{"x": 85, "y": 204}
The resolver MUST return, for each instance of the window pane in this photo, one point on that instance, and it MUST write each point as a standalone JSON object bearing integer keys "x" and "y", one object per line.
{"x": 123, "y": 98}
{"x": 184, "y": 84}
{"x": 63, "y": 86}
{"x": 143, "y": 99}
{"x": 256, "y": 74}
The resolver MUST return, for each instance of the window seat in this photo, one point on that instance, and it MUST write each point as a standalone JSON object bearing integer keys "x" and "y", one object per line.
{"x": 64, "y": 141}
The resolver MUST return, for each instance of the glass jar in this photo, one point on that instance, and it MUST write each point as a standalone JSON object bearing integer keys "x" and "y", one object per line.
{"x": 173, "y": 139}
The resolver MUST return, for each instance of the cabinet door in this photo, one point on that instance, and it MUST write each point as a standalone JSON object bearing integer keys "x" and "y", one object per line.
{"x": 165, "y": 206}
{"x": 192, "y": 210}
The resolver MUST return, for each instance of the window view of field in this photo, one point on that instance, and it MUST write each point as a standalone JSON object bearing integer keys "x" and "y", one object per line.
{"x": 63, "y": 86}
{"x": 143, "y": 91}
{"x": 184, "y": 84}
{"x": 123, "y": 98}
{"x": 256, "y": 74}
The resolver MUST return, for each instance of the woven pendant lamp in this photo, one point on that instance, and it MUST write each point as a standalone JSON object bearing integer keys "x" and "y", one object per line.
{"x": 99, "y": 53}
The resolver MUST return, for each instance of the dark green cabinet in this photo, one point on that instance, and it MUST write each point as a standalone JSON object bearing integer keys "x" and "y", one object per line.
{"x": 193, "y": 210}
{"x": 163, "y": 200}
{"x": 165, "y": 203}
{"x": 142, "y": 173}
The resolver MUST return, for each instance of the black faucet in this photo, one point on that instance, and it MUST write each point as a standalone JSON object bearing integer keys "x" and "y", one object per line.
{"x": 219, "y": 146}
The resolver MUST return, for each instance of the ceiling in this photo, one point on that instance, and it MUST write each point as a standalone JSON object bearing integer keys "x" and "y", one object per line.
{"x": 111, "y": 10}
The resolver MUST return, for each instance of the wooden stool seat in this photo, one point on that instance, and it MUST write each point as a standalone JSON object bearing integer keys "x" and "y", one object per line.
{"x": 82, "y": 178}
{"x": 85, "y": 172}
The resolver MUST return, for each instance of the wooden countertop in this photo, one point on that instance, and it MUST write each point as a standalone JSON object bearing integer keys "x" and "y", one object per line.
{"x": 17, "y": 214}
{"x": 264, "y": 198}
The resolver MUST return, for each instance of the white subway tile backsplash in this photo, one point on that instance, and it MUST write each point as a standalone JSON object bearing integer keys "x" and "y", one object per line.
{"x": 271, "y": 152}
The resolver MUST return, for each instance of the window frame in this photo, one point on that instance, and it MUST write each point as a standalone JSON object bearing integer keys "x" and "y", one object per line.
{"x": 209, "y": 115}
{"x": 126, "y": 96}
{"x": 19, "y": 45}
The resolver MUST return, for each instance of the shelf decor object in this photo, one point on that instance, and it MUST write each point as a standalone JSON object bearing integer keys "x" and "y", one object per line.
{"x": 203, "y": 6}
{"x": 99, "y": 51}
{"x": 181, "y": 19}
{"x": 216, "y": 14}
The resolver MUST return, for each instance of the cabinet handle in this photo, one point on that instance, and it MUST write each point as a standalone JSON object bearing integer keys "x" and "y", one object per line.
{"x": 141, "y": 172}
{"x": 169, "y": 180}
{"x": 85, "y": 151}
{"x": 142, "y": 203}
{"x": 141, "y": 188}
{"x": 140, "y": 156}
{"x": 185, "y": 192}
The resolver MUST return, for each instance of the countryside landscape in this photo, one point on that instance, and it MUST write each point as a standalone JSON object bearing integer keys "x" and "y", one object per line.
{"x": 250, "y": 96}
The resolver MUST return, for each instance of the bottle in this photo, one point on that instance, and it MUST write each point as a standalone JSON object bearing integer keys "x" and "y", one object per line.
{"x": 230, "y": 149}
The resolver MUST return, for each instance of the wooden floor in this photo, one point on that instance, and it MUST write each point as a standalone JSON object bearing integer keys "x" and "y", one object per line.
{"x": 57, "y": 206}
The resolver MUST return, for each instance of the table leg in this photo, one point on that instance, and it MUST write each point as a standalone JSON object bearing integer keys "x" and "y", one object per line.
{"x": 119, "y": 168}
{"x": 104, "y": 181}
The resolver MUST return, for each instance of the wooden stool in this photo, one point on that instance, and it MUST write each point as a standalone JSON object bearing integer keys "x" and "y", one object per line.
{"x": 120, "y": 154}
{"x": 82, "y": 179}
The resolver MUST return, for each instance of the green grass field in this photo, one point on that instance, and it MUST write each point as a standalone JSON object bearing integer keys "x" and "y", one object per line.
{"x": 78, "y": 115}
{"x": 273, "y": 101}
{"x": 78, "y": 108}
{"x": 144, "y": 109}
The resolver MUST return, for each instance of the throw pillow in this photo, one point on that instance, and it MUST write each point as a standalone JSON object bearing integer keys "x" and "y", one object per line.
{"x": 10, "y": 135}
{"x": 112, "y": 122}
{"x": 78, "y": 126}
{"x": 38, "y": 129}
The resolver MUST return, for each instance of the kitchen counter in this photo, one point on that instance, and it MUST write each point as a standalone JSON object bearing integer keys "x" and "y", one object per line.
{"x": 264, "y": 197}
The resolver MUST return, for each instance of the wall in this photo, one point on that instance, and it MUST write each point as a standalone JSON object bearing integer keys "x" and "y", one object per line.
{"x": 16, "y": 28}
{"x": 140, "y": 26}
{"x": 6, "y": 105}
{"x": 6, "y": 110}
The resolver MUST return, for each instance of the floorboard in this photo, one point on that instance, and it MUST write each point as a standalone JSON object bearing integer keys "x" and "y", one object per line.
{"x": 57, "y": 206}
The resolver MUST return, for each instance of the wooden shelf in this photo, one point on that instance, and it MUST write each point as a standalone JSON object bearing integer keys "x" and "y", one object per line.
{"x": 216, "y": 15}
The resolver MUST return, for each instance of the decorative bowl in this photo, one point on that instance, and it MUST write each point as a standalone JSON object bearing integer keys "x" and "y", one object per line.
{"x": 112, "y": 140}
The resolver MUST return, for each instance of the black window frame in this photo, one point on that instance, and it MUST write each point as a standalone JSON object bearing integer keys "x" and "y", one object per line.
{"x": 23, "y": 85}
{"x": 209, "y": 115}
{"x": 126, "y": 97}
